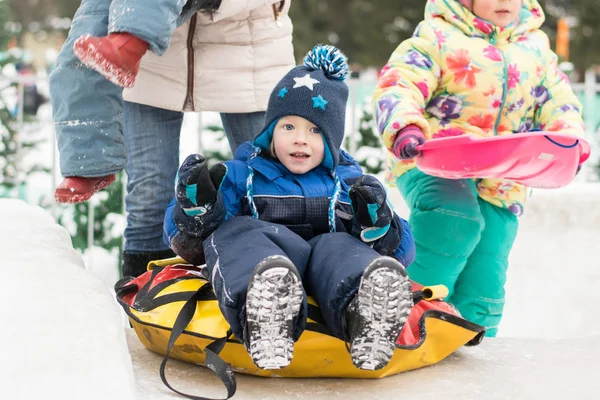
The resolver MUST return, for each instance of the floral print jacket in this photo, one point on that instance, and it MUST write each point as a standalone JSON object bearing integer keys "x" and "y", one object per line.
{"x": 460, "y": 74}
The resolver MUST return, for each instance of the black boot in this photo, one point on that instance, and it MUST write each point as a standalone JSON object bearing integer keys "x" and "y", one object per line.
{"x": 376, "y": 315}
{"x": 134, "y": 264}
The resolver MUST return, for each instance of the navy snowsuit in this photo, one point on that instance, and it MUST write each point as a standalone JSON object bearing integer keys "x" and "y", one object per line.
{"x": 292, "y": 221}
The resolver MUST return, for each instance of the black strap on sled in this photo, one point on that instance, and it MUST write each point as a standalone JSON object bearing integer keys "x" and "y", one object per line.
{"x": 213, "y": 361}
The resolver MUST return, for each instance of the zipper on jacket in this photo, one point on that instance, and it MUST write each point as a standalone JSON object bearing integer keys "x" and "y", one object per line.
{"x": 504, "y": 91}
{"x": 277, "y": 9}
{"x": 189, "y": 96}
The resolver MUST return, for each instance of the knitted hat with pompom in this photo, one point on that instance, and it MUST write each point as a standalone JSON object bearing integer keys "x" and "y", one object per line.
{"x": 317, "y": 92}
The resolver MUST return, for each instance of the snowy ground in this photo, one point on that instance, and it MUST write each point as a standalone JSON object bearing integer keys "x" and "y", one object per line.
{"x": 61, "y": 331}
{"x": 499, "y": 369}
{"x": 64, "y": 336}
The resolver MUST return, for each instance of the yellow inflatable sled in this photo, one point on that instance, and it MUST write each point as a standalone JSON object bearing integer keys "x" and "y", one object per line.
{"x": 174, "y": 312}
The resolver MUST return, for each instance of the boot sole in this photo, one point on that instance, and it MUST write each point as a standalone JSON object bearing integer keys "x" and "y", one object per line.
{"x": 70, "y": 198}
{"x": 273, "y": 303}
{"x": 384, "y": 302}
{"x": 93, "y": 59}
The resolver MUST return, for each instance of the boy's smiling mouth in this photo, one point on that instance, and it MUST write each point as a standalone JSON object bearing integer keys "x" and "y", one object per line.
{"x": 299, "y": 154}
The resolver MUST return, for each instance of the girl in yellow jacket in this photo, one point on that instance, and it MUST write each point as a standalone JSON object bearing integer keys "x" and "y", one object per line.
{"x": 479, "y": 67}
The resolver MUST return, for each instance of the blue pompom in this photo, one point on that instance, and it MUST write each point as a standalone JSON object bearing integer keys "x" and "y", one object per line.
{"x": 329, "y": 59}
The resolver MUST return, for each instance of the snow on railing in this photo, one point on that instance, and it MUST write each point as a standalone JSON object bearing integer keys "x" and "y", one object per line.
{"x": 588, "y": 92}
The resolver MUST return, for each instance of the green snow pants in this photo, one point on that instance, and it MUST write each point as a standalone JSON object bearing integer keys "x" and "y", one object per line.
{"x": 462, "y": 242}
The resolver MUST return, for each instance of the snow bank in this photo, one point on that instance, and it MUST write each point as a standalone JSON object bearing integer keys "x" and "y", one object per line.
{"x": 62, "y": 334}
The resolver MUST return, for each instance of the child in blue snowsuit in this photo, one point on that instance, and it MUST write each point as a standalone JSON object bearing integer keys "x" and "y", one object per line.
{"x": 110, "y": 37}
{"x": 293, "y": 215}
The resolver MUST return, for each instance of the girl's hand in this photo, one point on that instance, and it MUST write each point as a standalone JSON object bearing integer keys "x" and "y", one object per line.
{"x": 407, "y": 140}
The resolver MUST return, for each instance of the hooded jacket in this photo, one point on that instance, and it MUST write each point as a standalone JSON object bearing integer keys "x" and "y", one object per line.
{"x": 298, "y": 201}
{"x": 460, "y": 74}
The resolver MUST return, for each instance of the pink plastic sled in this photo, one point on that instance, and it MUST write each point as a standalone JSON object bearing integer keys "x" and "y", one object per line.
{"x": 536, "y": 159}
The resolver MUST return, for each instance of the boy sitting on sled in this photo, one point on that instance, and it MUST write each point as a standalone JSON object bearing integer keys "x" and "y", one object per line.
{"x": 293, "y": 215}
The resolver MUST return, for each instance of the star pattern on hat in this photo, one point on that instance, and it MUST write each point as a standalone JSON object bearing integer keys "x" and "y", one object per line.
{"x": 319, "y": 102}
{"x": 282, "y": 92}
{"x": 305, "y": 81}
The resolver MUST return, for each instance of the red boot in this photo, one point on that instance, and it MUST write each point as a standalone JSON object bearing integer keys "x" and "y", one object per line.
{"x": 116, "y": 56}
{"x": 75, "y": 189}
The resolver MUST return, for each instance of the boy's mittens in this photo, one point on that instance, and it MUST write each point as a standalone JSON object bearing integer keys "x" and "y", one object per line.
{"x": 407, "y": 140}
{"x": 197, "y": 186}
{"x": 371, "y": 210}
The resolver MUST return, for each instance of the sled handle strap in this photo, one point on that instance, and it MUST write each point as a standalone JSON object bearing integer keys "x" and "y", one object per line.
{"x": 564, "y": 146}
{"x": 212, "y": 361}
{"x": 429, "y": 293}
{"x": 164, "y": 262}
{"x": 434, "y": 292}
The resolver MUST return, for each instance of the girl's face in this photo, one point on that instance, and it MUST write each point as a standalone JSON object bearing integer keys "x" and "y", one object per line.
{"x": 298, "y": 144}
{"x": 499, "y": 12}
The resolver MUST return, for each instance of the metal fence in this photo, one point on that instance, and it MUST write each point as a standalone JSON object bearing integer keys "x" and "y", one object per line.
{"x": 588, "y": 92}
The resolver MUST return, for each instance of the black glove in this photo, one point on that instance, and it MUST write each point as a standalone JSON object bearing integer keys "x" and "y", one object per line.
{"x": 371, "y": 210}
{"x": 197, "y": 186}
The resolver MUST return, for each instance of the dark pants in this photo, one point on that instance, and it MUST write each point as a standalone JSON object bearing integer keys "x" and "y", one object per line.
{"x": 330, "y": 266}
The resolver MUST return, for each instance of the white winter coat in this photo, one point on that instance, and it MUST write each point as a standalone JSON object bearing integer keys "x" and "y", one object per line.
{"x": 226, "y": 61}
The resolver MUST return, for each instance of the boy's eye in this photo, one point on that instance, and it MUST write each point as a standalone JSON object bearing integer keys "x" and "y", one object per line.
{"x": 314, "y": 129}
{"x": 288, "y": 127}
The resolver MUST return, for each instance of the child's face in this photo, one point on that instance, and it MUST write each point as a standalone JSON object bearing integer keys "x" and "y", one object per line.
{"x": 499, "y": 12}
{"x": 298, "y": 144}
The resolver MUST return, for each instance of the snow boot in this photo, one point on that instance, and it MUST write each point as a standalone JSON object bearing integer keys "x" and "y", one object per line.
{"x": 135, "y": 264}
{"x": 273, "y": 303}
{"x": 75, "y": 189}
{"x": 377, "y": 313}
{"x": 116, "y": 56}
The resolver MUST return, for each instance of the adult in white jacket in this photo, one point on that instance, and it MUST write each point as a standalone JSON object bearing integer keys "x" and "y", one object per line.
{"x": 226, "y": 61}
